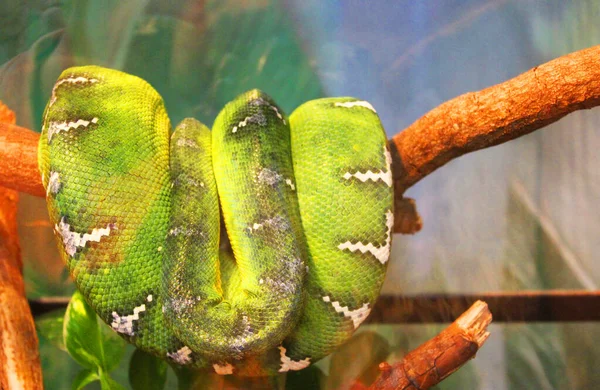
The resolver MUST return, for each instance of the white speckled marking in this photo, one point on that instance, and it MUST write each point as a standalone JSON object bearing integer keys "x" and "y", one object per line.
{"x": 53, "y": 183}
{"x": 182, "y": 356}
{"x": 357, "y": 316}
{"x": 262, "y": 102}
{"x": 270, "y": 177}
{"x": 382, "y": 253}
{"x": 277, "y": 222}
{"x": 227, "y": 369}
{"x": 56, "y": 127}
{"x": 124, "y": 324}
{"x": 185, "y": 178}
{"x": 190, "y": 143}
{"x": 385, "y": 176}
{"x": 180, "y": 304}
{"x": 290, "y": 183}
{"x": 185, "y": 231}
{"x": 288, "y": 364}
{"x": 255, "y": 226}
{"x": 74, "y": 240}
{"x": 358, "y": 103}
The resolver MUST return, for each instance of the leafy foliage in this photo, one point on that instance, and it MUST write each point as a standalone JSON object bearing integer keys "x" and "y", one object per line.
{"x": 147, "y": 372}
{"x": 96, "y": 347}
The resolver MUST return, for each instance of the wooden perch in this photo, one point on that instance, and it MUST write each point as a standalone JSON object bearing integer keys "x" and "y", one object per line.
{"x": 436, "y": 359}
{"x": 19, "y": 356}
{"x": 497, "y": 114}
{"x": 18, "y": 160}
{"x": 489, "y": 117}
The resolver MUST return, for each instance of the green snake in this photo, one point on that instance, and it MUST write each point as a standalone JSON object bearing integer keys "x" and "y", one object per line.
{"x": 252, "y": 249}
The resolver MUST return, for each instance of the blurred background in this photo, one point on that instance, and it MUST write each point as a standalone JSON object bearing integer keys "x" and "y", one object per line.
{"x": 520, "y": 216}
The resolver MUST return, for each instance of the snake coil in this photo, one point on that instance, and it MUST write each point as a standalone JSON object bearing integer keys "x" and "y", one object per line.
{"x": 306, "y": 201}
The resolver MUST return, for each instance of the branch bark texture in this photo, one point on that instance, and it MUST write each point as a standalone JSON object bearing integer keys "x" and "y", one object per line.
{"x": 18, "y": 160}
{"x": 436, "y": 359}
{"x": 19, "y": 356}
{"x": 497, "y": 114}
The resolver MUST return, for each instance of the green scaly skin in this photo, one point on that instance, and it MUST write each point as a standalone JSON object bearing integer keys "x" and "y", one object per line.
{"x": 306, "y": 201}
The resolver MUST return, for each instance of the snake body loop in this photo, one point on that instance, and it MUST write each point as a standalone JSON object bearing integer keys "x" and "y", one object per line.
{"x": 306, "y": 201}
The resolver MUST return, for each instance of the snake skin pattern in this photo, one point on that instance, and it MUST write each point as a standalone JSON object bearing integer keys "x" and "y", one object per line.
{"x": 306, "y": 201}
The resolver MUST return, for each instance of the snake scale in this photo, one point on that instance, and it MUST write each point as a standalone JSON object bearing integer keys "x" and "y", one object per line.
{"x": 306, "y": 204}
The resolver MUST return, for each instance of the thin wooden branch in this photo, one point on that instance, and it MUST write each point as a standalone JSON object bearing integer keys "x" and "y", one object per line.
{"x": 19, "y": 357}
{"x": 436, "y": 359}
{"x": 511, "y": 307}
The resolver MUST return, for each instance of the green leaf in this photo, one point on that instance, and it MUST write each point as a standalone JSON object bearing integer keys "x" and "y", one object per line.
{"x": 108, "y": 383}
{"x": 50, "y": 326}
{"x": 147, "y": 372}
{"x": 113, "y": 347}
{"x": 309, "y": 378}
{"x": 90, "y": 342}
{"x": 185, "y": 377}
{"x": 84, "y": 378}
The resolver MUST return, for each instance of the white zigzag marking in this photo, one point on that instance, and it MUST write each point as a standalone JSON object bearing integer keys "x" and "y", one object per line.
{"x": 357, "y": 316}
{"x": 182, "y": 356}
{"x": 382, "y": 253}
{"x": 385, "y": 176}
{"x": 56, "y": 127}
{"x": 358, "y": 103}
{"x": 69, "y": 80}
{"x": 74, "y": 240}
{"x": 227, "y": 369}
{"x": 278, "y": 113}
{"x": 53, "y": 183}
{"x": 124, "y": 324}
{"x": 288, "y": 364}
{"x": 241, "y": 124}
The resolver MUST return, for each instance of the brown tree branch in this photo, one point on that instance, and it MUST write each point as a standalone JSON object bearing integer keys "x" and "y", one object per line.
{"x": 19, "y": 356}
{"x": 436, "y": 359}
{"x": 18, "y": 160}
{"x": 489, "y": 117}
{"x": 497, "y": 114}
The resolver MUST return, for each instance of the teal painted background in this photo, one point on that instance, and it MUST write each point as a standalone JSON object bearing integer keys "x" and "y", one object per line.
{"x": 519, "y": 216}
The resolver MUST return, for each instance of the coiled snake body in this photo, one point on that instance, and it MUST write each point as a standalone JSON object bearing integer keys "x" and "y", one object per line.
{"x": 306, "y": 202}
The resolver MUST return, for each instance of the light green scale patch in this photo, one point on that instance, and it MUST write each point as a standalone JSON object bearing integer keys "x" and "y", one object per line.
{"x": 308, "y": 212}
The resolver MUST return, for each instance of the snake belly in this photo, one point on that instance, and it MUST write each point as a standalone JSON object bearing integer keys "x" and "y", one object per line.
{"x": 306, "y": 200}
